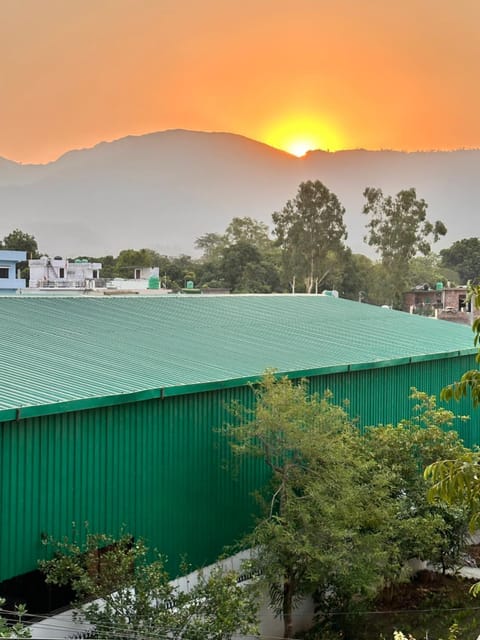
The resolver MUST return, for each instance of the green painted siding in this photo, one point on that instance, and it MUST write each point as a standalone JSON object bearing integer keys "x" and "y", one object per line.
{"x": 158, "y": 466}
{"x": 381, "y": 396}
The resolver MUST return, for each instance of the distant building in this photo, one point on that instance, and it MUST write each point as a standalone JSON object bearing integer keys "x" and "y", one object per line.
{"x": 9, "y": 280}
{"x": 144, "y": 278}
{"x": 445, "y": 303}
{"x": 60, "y": 273}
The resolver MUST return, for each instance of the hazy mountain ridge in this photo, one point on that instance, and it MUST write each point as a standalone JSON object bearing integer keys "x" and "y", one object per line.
{"x": 163, "y": 190}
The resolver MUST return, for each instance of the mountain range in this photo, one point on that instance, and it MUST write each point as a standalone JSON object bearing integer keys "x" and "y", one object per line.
{"x": 163, "y": 190}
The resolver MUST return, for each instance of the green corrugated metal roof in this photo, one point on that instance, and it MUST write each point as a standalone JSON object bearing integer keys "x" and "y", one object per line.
{"x": 66, "y": 353}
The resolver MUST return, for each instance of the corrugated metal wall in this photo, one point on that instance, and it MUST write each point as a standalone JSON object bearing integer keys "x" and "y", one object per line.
{"x": 381, "y": 396}
{"x": 158, "y": 467}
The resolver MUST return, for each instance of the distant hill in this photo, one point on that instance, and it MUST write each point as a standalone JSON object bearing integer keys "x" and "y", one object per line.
{"x": 163, "y": 190}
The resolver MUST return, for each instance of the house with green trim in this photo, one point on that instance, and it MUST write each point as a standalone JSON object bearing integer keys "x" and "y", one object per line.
{"x": 110, "y": 407}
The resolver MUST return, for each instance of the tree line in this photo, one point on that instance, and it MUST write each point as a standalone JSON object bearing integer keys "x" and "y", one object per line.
{"x": 306, "y": 251}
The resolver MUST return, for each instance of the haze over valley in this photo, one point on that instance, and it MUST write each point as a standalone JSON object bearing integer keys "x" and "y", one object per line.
{"x": 163, "y": 190}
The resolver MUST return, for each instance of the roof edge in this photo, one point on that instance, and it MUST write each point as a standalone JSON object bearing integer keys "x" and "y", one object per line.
{"x": 83, "y": 404}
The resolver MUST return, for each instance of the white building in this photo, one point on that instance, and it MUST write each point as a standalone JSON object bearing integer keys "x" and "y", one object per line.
{"x": 60, "y": 273}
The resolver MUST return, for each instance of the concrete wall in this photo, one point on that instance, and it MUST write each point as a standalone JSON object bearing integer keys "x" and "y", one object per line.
{"x": 64, "y": 626}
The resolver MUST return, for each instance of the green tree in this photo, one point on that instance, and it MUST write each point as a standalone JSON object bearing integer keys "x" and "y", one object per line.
{"x": 420, "y": 529}
{"x": 108, "y": 265}
{"x": 362, "y": 279}
{"x": 398, "y": 228}
{"x": 125, "y": 595}
{"x": 464, "y": 257}
{"x": 310, "y": 231}
{"x": 244, "y": 269}
{"x": 243, "y": 259}
{"x": 244, "y": 230}
{"x": 324, "y": 508}
{"x": 248, "y": 230}
{"x": 18, "y": 240}
{"x": 212, "y": 245}
{"x": 429, "y": 269}
{"x": 178, "y": 270}
{"x": 129, "y": 259}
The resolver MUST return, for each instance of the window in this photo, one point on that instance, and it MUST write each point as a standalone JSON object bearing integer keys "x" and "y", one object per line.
{"x": 138, "y": 274}
{"x": 3, "y": 272}
{"x": 463, "y": 304}
{"x": 62, "y": 272}
{"x": 95, "y": 273}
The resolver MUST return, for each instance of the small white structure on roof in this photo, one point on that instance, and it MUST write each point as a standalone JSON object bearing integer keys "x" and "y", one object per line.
{"x": 145, "y": 278}
{"x": 60, "y": 273}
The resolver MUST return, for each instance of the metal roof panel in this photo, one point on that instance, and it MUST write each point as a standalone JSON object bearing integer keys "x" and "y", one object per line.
{"x": 89, "y": 350}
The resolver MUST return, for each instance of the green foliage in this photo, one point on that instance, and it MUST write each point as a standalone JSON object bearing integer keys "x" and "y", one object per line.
{"x": 398, "y": 228}
{"x": 178, "y": 270}
{"x": 429, "y": 269}
{"x": 243, "y": 259}
{"x": 124, "y": 595}
{"x": 464, "y": 257}
{"x": 325, "y": 507}
{"x": 108, "y": 265}
{"x": 244, "y": 270}
{"x": 18, "y": 240}
{"x": 16, "y": 630}
{"x": 420, "y": 529}
{"x": 250, "y": 231}
{"x": 129, "y": 259}
{"x": 453, "y": 634}
{"x": 357, "y": 281}
{"x": 310, "y": 231}
{"x": 212, "y": 245}
{"x": 455, "y": 481}
{"x": 344, "y": 511}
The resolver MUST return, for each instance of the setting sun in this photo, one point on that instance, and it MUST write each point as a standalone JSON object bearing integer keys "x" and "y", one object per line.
{"x": 299, "y": 134}
{"x": 300, "y": 147}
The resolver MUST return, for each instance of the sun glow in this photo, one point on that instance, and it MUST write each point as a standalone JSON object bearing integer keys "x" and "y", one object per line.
{"x": 300, "y": 147}
{"x": 297, "y": 135}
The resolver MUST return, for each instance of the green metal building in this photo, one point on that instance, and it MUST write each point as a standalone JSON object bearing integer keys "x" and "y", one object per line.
{"x": 109, "y": 406}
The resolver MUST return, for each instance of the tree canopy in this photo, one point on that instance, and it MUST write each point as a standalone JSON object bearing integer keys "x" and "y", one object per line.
{"x": 18, "y": 240}
{"x": 323, "y": 504}
{"x": 311, "y": 231}
{"x": 464, "y": 257}
{"x": 344, "y": 511}
{"x": 243, "y": 259}
{"x": 398, "y": 229}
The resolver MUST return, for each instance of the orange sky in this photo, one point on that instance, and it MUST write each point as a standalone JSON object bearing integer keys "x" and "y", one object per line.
{"x": 337, "y": 73}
